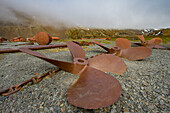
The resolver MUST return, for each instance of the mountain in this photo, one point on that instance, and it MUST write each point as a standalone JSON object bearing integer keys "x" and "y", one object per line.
{"x": 27, "y": 26}
{"x": 158, "y": 32}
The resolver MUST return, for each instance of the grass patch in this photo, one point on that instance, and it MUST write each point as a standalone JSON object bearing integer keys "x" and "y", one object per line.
{"x": 56, "y": 50}
{"x": 105, "y": 41}
{"x": 165, "y": 39}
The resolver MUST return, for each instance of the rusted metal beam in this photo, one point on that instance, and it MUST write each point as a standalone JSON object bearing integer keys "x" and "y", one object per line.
{"x": 11, "y": 50}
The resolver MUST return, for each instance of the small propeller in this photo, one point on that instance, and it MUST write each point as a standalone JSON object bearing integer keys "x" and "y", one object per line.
{"x": 135, "y": 53}
{"x": 153, "y": 43}
{"x": 94, "y": 88}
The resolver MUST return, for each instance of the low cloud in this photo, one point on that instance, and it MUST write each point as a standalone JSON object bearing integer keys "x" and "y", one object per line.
{"x": 119, "y": 14}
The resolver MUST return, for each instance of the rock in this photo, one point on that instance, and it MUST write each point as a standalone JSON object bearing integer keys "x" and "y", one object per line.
{"x": 161, "y": 102}
{"x": 113, "y": 111}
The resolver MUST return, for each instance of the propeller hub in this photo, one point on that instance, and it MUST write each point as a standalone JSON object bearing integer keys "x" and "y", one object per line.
{"x": 111, "y": 51}
{"x": 80, "y": 61}
{"x": 116, "y": 50}
{"x": 145, "y": 44}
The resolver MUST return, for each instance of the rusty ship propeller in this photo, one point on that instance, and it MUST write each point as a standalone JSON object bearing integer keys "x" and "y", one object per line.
{"x": 153, "y": 43}
{"x": 123, "y": 49}
{"x": 94, "y": 88}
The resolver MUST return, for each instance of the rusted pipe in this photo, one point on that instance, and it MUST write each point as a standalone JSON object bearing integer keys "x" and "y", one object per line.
{"x": 10, "y": 50}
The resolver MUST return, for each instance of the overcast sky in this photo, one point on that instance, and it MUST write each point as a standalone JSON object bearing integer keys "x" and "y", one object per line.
{"x": 119, "y": 14}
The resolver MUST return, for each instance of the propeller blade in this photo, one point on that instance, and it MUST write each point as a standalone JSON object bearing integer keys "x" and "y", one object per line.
{"x": 66, "y": 66}
{"x": 135, "y": 53}
{"x": 142, "y": 39}
{"x": 108, "y": 63}
{"x": 76, "y": 50}
{"x": 123, "y": 43}
{"x": 158, "y": 40}
{"x": 94, "y": 89}
{"x": 106, "y": 48}
{"x": 155, "y": 41}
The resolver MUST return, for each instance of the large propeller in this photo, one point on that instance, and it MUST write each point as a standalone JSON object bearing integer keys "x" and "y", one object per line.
{"x": 94, "y": 88}
{"x": 123, "y": 50}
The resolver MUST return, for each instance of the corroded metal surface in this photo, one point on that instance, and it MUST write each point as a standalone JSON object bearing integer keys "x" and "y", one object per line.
{"x": 34, "y": 80}
{"x": 135, "y": 53}
{"x": 142, "y": 39}
{"x": 43, "y": 38}
{"x": 2, "y": 39}
{"x": 108, "y": 63}
{"x": 94, "y": 88}
{"x": 11, "y": 50}
{"x": 123, "y": 43}
{"x": 17, "y": 39}
{"x": 153, "y": 43}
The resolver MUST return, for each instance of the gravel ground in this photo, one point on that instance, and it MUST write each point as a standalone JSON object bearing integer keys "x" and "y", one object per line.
{"x": 145, "y": 84}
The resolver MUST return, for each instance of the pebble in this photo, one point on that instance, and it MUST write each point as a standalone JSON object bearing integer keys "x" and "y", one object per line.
{"x": 113, "y": 111}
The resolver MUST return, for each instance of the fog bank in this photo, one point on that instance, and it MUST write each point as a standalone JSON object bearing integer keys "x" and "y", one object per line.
{"x": 116, "y": 14}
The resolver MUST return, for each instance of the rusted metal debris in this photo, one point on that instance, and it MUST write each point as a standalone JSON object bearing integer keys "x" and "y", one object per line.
{"x": 55, "y": 38}
{"x": 43, "y": 38}
{"x": 15, "y": 39}
{"x": 84, "y": 43}
{"x": 18, "y": 39}
{"x": 2, "y": 39}
{"x": 123, "y": 49}
{"x": 11, "y": 50}
{"x": 31, "y": 39}
{"x": 94, "y": 88}
{"x": 153, "y": 43}
{"x": 15, "y": 88}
